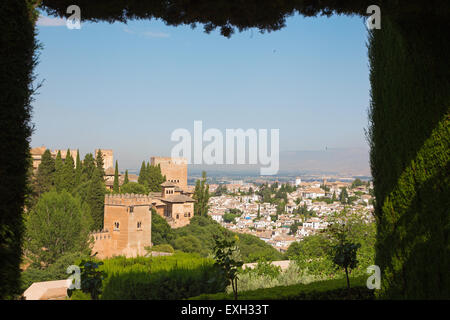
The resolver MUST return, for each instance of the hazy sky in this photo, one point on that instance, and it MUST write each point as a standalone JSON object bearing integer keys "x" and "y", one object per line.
{"x": 128, "y": 86}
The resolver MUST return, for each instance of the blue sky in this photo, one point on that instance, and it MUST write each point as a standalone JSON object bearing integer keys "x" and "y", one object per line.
{"x": 128, "y": 86}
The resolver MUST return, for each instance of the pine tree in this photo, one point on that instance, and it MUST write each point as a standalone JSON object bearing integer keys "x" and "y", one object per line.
{"x": 88, "y": 167}
{"x": 143, "y": 174}
{"x": 96, "y": 199}
{"x": 116, "y": 179}
{"x": 45, "y": 173}
{"x": 99, "y": 163}
{"x": 201, "y": 195}
{"x": 78, "y": 169}
{"x": 125, "y": 180}
{"x": 68, "y": 173}
{"x": 58, "y": 178}
{"x": 150, "y": 174}
{"x": 155, "y": 178}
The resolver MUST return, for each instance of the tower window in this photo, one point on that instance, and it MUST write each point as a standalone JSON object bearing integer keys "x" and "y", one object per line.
{"x": 116, "y": 226}
{"x": 139, "y": 225}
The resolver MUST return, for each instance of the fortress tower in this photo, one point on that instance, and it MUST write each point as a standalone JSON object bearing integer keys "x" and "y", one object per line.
{"x": 175, "y": 170}
{"x": 127, "y": 226}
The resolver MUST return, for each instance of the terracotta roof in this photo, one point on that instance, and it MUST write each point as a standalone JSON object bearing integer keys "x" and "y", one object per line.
{"x": 168, "y": 184}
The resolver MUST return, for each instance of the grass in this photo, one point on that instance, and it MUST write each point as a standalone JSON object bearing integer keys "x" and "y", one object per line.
{"x": 335, "y": 289}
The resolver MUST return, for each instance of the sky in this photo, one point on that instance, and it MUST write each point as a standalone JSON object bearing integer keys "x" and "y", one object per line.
{"x": 127, "y": 87}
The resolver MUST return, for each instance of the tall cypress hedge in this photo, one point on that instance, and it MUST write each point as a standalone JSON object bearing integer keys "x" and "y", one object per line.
{"x": 410, "y": 140}
{"x": 17, "y": 60}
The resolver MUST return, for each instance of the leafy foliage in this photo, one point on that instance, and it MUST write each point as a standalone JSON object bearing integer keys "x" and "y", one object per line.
{"x": 133, "y": 187}
{"x": 201, "y": 195}
{"x": 150, "y": 176}
{"x": 91, "y": 279}
{"x": 45, "y": 173}
{"x": 201, "y": 231}
{"x": 229, "y": 15}
{"x": 116, "y": 179}
{"x": 226, "y": 254}
{"x": 95, "y": 198}
{"x": 58, "y": 225}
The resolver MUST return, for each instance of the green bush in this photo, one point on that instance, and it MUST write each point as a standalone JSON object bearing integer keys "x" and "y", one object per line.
{"x": 163, "y": 248}
{"x": 320, "y": 290}
{"x": 56, "y": 271}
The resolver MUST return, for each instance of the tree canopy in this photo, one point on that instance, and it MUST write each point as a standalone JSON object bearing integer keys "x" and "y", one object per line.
{"x": 228, "y": 15}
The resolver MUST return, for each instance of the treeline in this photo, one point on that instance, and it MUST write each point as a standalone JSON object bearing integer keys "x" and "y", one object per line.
{"x": 65, "y": 203}
{"x": 315, "y": 254}
{"x": 83, "y": 179}
{"x": 150, "y": 177}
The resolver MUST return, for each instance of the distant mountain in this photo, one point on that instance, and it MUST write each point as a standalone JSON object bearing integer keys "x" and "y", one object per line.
{"x": 344, "y": 161}
{"x": 341, "y": 161}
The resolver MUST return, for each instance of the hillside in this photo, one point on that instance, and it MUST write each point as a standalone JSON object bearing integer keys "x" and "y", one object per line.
{"x": 198, "y": 237}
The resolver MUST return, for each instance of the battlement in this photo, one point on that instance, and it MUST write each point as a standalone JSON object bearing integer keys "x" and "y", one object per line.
{"x": 101, "y": 234}
{"x": 128, "y": 199}
{"x": 168, "y": 160}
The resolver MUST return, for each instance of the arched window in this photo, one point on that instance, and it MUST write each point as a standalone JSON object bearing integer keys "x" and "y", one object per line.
{"x": 139, "y": 225}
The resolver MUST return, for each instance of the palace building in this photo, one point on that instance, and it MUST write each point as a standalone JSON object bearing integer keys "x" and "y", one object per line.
{"x": 128, "y": 218}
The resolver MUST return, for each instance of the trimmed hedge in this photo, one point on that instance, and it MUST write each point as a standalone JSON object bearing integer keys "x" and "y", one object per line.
{"x": 17, "y": 61}
{"x": 321, "y": 290}
{"x": 160, "y": 278}
{"x": 410, "y": 151}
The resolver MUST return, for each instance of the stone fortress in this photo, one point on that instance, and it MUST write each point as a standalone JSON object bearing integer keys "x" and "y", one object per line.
{"x": 128, "y": 217}
{"x": 36, "y": 155}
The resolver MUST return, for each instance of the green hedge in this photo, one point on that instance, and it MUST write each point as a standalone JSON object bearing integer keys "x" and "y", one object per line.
{"x": 410, "y": 148}
{"x": 17, "y": 60}
{"x": 320, "y": 290}
{"x": 168, "y": 277}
